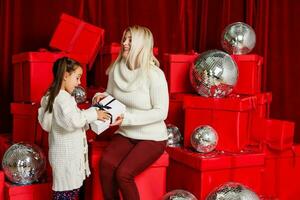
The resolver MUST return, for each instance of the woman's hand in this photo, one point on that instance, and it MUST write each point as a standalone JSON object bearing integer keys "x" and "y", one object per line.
{"x": 118, "y": 121}
{"x": 98, "y": 97}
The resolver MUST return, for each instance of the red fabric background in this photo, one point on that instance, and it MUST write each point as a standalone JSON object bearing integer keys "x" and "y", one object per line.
{"x": 177, "y": 25}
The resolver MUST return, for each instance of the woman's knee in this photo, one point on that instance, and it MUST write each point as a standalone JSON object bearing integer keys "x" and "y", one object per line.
{"x": 124, "y": 174}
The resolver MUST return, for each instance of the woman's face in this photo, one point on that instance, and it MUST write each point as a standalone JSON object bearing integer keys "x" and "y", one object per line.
{"x": 126, "y": 44}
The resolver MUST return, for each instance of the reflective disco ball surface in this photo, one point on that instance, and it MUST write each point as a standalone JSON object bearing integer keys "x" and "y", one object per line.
{"x": 179, "y": 195}
{"x": 238, "y": 38}
{"x": 232, "y": 191}
{"x": 23, "y": 163}
{"x": 214, "y": 74}
{"x": 174, "y": 136}
{"x": 79, "y": 94}
{"x": 204, "y": 139}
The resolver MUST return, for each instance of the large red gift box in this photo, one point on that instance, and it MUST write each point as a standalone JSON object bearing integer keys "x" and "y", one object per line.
{"x": 249, "y": 78}
{"x": 151, "y": 183}
{"x": 201, "y": 173}
{"x": 231, "y": 117}
{"x": 25, "y": 123}
{"x": 281, "y": 178}
{"x": 32, "y": 71}
{"x": 177, "y": 70}
{"x": 73, "y": 35}
{"x": 276, "y": 134}
{"x": 36, "y": 191}
{"x": 1, "y": 184}
{"x": 176, "y": 114}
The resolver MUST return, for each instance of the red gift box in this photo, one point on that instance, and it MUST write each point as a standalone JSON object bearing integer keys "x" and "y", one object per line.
{"x": 281, "y": 178}
{"x": 277, "y": 134}
{"x": 262, "y": 109}
{"x": 5, "y": 143}
{"x": 25, "y": 123}
{"x": 27, "y": 192}
{"x": 32, "y": 73}
{"x": 231, "y": 117}
{"x": 201, "y": 173}
{"x": 176, "y": 114}
{"x": 73, "y": 35}
{"x": 151, "y": 183}
{"x": 1, "y": 184}
{"x": 249, "y": 78}
{"x": 177, "y": 69}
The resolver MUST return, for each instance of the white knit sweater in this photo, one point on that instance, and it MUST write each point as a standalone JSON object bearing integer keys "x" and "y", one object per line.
{"x": 145, "y": 94}
{"x": 68, "y": 152}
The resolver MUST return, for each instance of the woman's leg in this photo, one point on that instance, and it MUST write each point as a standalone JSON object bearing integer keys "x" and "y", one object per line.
{"x": 112, "y": 156}
{"x": 140, "y": 157}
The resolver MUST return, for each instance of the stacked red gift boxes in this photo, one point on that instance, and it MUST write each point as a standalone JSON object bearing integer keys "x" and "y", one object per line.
{"x": 32, "y": 73}
{"x": 252, "y": 149}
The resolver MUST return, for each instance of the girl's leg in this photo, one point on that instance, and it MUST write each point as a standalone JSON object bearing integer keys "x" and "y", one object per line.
{"x": 112, "y": 156}
{"x": 140, "y": 157}
{"x": 66, "y": 195}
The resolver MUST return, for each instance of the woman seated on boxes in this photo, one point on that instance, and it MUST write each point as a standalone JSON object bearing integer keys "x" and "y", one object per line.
{"x": 135, "y": 80}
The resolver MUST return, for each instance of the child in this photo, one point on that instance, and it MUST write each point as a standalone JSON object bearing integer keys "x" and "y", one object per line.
{"x": 66, "y": 124}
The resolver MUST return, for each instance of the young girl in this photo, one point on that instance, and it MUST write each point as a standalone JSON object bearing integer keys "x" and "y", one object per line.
{"x": 66, "y": 124}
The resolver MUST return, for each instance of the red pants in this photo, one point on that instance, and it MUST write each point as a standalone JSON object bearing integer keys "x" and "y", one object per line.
{"x": 122, "y": 160}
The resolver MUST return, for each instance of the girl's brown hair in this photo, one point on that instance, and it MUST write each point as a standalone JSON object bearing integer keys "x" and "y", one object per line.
{"x": 60, "y": 66}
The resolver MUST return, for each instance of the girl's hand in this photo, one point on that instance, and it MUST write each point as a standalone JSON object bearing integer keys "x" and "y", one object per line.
{"x": 97, "y": 97}
{"x": 103, "y": 115}
{"x": 118, "y": 121}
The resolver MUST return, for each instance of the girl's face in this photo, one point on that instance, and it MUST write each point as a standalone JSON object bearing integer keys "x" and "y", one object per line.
{"x": 71, "y": 80}
{"x": 126, "y": 44}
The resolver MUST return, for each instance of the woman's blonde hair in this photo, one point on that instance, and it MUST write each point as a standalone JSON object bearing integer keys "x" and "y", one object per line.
{"x": 141, "y": 51}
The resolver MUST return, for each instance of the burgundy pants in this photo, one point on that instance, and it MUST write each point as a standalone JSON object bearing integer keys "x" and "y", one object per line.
{"x": 122, "y": 160}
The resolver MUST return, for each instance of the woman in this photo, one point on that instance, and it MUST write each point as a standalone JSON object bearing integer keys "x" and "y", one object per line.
{"x": 136, "y": 80}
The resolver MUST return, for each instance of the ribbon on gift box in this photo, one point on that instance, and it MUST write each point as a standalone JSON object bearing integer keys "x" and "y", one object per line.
{"x": 105, "y": 107}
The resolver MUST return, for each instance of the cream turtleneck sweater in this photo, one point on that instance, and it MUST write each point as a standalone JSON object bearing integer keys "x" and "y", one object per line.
{"x": 145, "y": 94}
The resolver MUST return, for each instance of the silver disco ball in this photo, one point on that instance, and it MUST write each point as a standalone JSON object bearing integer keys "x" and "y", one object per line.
{"x": 204, "y": 139}
{"x": 79, "y": 94}
{"x": 238, "y": 38}
{"x": 232, "y": 191}
{"x": 23, "y": 163}
{"x": 214, "y": 74}
{"x": 174, "y": 136}
{"x": 179, "y": 195}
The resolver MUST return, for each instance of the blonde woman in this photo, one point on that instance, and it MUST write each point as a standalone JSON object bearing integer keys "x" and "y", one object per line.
{"x": 136, "y": 80}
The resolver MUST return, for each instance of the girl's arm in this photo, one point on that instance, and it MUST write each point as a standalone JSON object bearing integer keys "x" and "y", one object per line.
{"x": 71, "y": 118}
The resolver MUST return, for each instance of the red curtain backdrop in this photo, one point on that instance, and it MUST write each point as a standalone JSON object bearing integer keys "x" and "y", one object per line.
{"x": 177, "y": 25}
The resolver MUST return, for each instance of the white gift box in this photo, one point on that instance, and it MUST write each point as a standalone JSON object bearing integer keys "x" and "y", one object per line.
{"x": 112, "y": 106}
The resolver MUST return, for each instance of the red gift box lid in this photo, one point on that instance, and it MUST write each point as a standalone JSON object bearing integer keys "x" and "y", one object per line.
{"x": 263, "y": 98}
{"x": 248, "y": 57}
{"x": 181, "y": 58}
{"x": 200, "y": 161}
{"x": 234, "y": 103}
{"x": 73, "y": 35}
{"x": 247, "y": 158}
{"x": 24, "y": 108}
{"x": 46, "y": 56}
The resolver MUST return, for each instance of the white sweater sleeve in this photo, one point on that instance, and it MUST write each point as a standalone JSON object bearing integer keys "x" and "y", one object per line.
{"x": 71, "y": 118}
{"x": 159, "y": 97}
{"x": 44, "y": 118}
